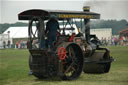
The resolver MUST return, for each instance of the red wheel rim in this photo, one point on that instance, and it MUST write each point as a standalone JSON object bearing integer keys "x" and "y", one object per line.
{"x": 62, "y": 53}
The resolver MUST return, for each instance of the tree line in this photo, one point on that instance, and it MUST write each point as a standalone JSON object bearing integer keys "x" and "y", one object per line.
{"x": 116, "y": 25}
{"x": 5, "y": 26}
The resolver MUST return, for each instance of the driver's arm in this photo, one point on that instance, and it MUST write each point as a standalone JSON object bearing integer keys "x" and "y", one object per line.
{"x": 47, "y": 28}
{"x": 58, "y": 27}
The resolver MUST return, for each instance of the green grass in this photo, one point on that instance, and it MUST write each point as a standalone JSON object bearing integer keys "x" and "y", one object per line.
{"x": 14, "y": 70}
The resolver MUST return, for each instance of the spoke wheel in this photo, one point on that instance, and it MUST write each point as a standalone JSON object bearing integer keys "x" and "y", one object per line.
{"x": 73, "y": 63}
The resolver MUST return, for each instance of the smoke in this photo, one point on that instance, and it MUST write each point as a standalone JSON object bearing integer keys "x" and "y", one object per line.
{"x": 95, "y": 4}
{"x": 111, "y": 9}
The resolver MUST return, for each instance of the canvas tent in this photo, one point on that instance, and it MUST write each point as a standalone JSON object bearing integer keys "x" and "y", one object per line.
{"x": 4, "y": 38}
{"x": 102, "y": 33}
{"x": 17, "y": 32}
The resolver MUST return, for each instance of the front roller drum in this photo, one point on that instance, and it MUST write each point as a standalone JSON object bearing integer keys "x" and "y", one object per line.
{"x": 97, "y": 68}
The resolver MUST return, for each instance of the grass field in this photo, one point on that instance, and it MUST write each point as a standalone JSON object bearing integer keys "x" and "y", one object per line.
{"x": 14, "y": 70}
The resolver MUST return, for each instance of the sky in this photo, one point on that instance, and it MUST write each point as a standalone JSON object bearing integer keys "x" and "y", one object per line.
{"x": 109, "y": 9}
{"x": 0, "y": 11}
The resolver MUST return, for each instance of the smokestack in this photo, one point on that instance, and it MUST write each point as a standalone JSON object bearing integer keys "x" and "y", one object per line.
{"x": 87, "y": 24}
{"x": 86, "y": 8}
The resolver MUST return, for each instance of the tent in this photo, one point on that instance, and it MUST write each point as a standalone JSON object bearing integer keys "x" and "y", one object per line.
{"x": 17, "y": 32}
{"x": 102, "y": 33}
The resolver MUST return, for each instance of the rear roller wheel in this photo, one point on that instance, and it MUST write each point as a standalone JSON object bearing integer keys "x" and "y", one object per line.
{"x": 36, "y": 74}
{"x": 73, "y": 63}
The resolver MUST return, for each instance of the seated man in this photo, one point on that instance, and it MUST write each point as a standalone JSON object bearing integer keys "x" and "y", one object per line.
{"x": 51, "y": 28}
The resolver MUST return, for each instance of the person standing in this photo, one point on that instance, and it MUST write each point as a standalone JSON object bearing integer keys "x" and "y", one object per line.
{"x": 9, "y": 44}
{"x": 17, "y": 44}
{"x": 4, "y": 44}
{"x": 115, "y": 41}
{"x": 51, "y": 28}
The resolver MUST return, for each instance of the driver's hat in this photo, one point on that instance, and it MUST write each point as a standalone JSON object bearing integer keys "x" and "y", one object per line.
{"x": 53, "y": 16}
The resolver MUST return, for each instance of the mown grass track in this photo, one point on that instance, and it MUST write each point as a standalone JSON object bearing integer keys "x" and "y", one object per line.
{"x": 14, "y": 70}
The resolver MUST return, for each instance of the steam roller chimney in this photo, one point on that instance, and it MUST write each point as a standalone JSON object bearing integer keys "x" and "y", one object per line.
{"x": 87, "y": 24}
{"x": 86, "y": 8}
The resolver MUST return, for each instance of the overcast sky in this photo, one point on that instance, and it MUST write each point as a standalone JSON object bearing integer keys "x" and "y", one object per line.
{"x": 109, "y": 9}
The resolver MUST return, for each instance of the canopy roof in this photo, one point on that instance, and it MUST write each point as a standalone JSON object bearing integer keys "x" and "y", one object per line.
{"x": 60, "y": 14}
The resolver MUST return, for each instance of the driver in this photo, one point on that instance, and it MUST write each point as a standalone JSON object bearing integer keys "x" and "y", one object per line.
{"x": 51, "y": 28}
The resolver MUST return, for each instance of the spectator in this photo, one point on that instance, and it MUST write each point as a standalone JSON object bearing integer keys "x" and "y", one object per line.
{"x": 9, "y": 44}
{"x": 4, "y": 44}
{"x": 121, "y": 40}
{"x": 124, "y": 41}
{"x": 17, "y": 44}
{"x": 115, "y": 41}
